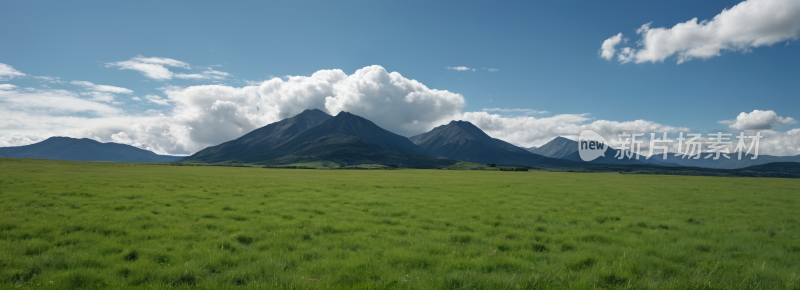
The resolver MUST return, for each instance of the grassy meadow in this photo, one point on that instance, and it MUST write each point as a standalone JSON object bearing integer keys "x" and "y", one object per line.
{"x": 123, "y": 225}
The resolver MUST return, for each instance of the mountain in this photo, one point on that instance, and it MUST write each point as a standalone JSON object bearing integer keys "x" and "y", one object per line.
{"x": 563, "y": 148}
{"x": 530, "y": 149}
{"x": 260, "y": 140}
{"x": 346, "y": 139}
{"x": 559, "y": 147}
{"x": 567, "y": 149}
{"x": 461, "y": 140}
{"x": 722, "y": 162}
{"x": 65, "y": 148}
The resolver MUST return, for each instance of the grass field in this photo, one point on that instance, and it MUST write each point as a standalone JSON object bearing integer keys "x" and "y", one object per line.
{"x": 75, "y": 224}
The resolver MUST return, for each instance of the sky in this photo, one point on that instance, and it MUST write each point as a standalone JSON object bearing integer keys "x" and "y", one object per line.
{"x": 178, "y": 76}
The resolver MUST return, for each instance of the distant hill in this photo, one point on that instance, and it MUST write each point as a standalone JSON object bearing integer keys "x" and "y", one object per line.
{"x": 787, "y": 168}
{"x": 563, "y": 148}
{"x": 65, "y": 148}
{"x": 346, "y": 139}
{"x": 722, "y": 162}
{"x": 530, "y": 149}
{"x": 567, "y": 149}
{"x": 260, "y": 141}
{"x": 461, "y": 140}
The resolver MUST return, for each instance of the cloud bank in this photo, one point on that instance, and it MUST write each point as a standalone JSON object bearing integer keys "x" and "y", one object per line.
{"x": 749, "y": 24}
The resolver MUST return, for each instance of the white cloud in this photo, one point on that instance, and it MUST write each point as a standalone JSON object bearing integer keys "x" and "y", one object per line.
{"x": 395, "y": 103}
{"x": 7, "y": 87}
{"x": 52, "y": 101}
{"x": 778, "y": 143}
{"x": 491, "y": 69}
{"x": 529, "y": 131}
{"x": 208, "y": 74}
{"x": 390, "y": 100}
{"x": 151, "y": 67}
{"x": 156, "y": 68}
{"x": 749, "y": 24}
{"x": 459, "y": 68}
{"x": 102, "y": 88}
{"x": 512, "y": 111}
{"x": 136, "y": 99}
{"x": 7, "y": 72}
{"x": 157, "y": 100}
{"x": 20, "y": 140}
{"x": 52, "y": 80}
{"x": 608, "y": 48}
{"x": 100, "y": 96}
{"x": 758, "y": 120}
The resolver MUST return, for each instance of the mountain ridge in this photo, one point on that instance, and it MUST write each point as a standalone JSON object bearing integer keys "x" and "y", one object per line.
{"x": 84, "y": 149}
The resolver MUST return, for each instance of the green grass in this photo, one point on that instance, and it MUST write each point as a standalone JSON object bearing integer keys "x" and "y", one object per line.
{"x": 126, "y": 225}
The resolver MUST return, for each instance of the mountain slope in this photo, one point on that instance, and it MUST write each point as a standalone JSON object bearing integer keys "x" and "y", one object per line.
{"x": 510, "y": 147}
{"x": 559, "y": 147}
{"x": 462, "y": 140}
{"x": 260, "y": 140}
{"x": 65, "y": 148}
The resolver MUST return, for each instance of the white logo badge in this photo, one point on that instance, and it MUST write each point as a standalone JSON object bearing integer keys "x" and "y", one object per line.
{"x": 591, "y": 145}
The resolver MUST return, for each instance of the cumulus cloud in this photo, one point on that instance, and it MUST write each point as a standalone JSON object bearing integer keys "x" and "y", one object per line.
{"x": 102, "y": 88}
{"x": 392, "y": 101}
{"x": 514, "y": 111}
{"x": 758, "y": 120}
{"x": 779, "y": 143}
{"x": 529, "y": 131}
{"x": 7, "y": 87}
{"x": 157, "y": 68}
{"x": 749, "y": 24}
{"x": 608, "y": 48}
{"x": 7, "y": 72}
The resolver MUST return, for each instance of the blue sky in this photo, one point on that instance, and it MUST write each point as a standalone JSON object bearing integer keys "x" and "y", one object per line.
{"x": 544, "y": 57}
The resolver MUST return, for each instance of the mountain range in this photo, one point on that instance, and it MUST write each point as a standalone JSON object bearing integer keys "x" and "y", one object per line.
{"x": 567, "y": 149}
{"x": 347, "y": 139}
{"x": 563, "y": 148}
{"x": 460, "y": 140}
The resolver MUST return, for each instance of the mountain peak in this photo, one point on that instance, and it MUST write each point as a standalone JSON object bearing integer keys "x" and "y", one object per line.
{"x": 344, "y": 114}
